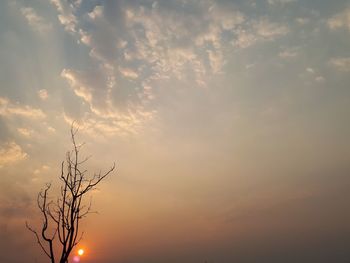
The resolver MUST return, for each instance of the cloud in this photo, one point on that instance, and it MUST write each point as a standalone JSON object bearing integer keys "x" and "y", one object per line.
{"x": 9, "y": 109}
{"x": 113, "y": 124}
{"x": 341, "y": 64}
{"x": 164, "y": 43}
{"x": 96, "y": 12}
{"x": 281, "y": 2}
{"x": 104, "y": 116}
{"x": 142, "y": 48}
{"x": 43, "y": 94}
{"x": 66, "y": 13}
{"x": 35, "y": 21}
{"x": 51, "y": 129}
{"x": 216, "y": 61}
{"x": 315, "y": 75}
{"x": 84, "y": 83}
{"x": 128, "y": 73}
{"x": 40, "y": 171}
{"x": 320, "y": 79}
{"x": 25, "y": 132}
{"x": 288, "y": 53}
{"x": 269, "y": 30}
{"x": 245, "y": 39}
{"x": 310, "y": 70}
{"x": 258, "y": 30}
{"x": 340, "y": 20}
{"x": 302, "y": 20}
{"x": 11, "y": 153}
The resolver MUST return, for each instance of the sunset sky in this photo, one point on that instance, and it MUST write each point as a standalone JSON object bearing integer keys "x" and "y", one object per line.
{"x": 228, "y": 120}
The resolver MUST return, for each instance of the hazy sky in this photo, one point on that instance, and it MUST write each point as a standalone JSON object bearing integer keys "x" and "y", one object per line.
{"x": 228, "y": 121}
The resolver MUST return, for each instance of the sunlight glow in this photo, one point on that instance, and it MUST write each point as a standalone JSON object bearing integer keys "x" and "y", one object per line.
{"x": 80, "y": 252}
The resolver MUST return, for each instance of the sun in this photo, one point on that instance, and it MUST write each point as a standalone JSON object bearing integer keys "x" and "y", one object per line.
{"x": 81, "y": 252}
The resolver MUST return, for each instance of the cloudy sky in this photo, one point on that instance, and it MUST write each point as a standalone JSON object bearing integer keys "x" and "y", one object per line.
{"x": 228, "y": 121}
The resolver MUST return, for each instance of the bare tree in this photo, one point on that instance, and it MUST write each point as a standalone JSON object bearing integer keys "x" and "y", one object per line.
{"x": 60, "y": 231}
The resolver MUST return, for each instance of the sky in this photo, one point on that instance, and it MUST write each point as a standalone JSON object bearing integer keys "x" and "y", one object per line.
{"x": 228, "y": 121}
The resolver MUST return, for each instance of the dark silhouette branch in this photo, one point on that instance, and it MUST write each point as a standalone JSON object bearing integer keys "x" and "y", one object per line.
{"x": 38, "y": 239}
{"x": 63, "y": 216}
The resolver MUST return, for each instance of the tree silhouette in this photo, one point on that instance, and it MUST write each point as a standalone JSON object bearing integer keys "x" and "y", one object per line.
{"x": 60, "y": 231}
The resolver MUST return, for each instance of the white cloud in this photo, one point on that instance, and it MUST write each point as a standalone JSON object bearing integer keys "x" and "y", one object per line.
{"x": 260, "y": 30}
{"x": 166, "y": 43}
{"x": 320, "y": 79}
{"x": 51, "y": 129}
{"x": 314, "y": 75}
{"x": 128, "y": 73}
{"x": 340, "y": 20}
{"x": 80, "y": 83}
{"x": 9, "y": 109}
{"x": 43, "y": 94}
{"x": 341, "y": 64}
{"x": 11, "y": 153}
{"x": 216, "y": 61}
{"x": 42, "y": 169}
{"x": 151, "y": 46}
{"x": 288, "y": 53}
{"x": 104, "y": 117}
{"x": 244, "y": 39}
{"x": 226, "y": 19}
{"x": 85, "y": 38}
{"x": 97, "y": 12}
{"x": 269, "y": 30}
{"x": 25, "y": 132}
{"x": 38, "y": 172}
{"x": 66, "y": 14}
{"x": 302, "y": 20}
{"x": 251, "y": 65}
{"x": 282, "y": 2}
{"x": 310, "y": 70}
{"x": 114, "y": 122}
{"x": 34, "y": 20}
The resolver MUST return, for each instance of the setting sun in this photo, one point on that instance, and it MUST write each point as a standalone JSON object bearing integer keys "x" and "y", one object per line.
{"x": 81, "y": 252}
